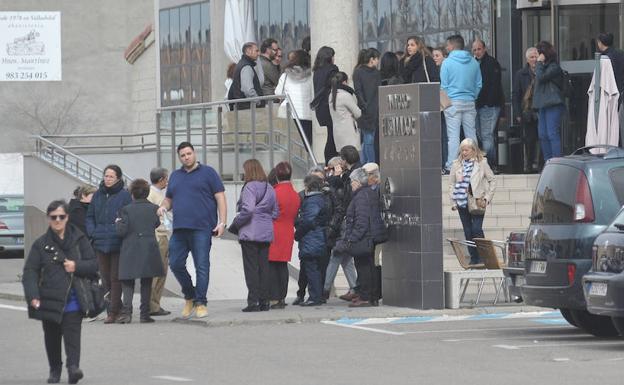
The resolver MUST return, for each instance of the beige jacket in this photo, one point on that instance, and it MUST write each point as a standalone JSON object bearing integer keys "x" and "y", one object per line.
{"x": 157, "y": 196}
{"x": 343, "y": 118}
{"x": 482, "y": 181}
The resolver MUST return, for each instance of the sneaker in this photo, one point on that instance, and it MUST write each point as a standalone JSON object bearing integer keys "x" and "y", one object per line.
{"x": 201, "y": 311}
{"x": 187, "y": 312}
{"x": 445, "y": 171}
{"x": 124, "y": 319}
{"x": 146, "y": 320}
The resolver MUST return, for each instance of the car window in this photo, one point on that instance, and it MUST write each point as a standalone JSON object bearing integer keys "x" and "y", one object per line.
{"x": 617, "y": 181}
{"x": 555, "y": 195}
{"x": 11, "y": 204}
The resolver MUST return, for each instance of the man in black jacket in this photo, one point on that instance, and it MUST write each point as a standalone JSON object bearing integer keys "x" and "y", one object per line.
{"x": 489, "y": 101}
{"x": 525, "y": 115}
{"x": 248, "y": 77}
{"x": 604, "y": 42}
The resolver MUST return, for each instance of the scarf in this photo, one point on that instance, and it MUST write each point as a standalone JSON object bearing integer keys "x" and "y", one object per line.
{"x": 460, "y": 192}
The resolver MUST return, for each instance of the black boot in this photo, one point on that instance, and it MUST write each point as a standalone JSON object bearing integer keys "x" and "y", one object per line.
{"x": 55, "y": 375}
{"x": 74, "y": 374}
{"x": 264, "y": 306}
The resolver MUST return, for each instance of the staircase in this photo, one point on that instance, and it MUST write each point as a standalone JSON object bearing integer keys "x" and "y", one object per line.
{"x": 509, "y": 211}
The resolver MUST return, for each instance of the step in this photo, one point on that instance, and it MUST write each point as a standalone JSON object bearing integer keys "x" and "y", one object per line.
{"x": 496, "y": 208}
{"x": 506, "y": 181}
{"x": 501, "y": 220}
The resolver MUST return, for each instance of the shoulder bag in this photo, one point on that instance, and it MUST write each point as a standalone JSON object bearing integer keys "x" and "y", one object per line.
{"x": 474, "y": 204}
{"x": 233, "y": 228}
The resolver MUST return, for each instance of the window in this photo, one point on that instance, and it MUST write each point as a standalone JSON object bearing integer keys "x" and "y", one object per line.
{"x": 617, "y": 182}
{"x": 185, "y": 54}
{"x": 286, "y": 21}
{"x": 579, "y": 26}
{"x": 386, "y": 24}
{"x": 555, "y": 196}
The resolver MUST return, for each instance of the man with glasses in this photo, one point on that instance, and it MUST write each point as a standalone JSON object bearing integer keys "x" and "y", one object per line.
{"x": 196, "y": 196}
{"x": 268, "y": 52}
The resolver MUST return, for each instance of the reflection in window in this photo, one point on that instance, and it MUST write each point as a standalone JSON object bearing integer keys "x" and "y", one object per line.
{"x": 578, "y": 27}
{"x": 283, "y": 20}
{"x": 185, "y": 54}
{"x": 386, "y": 24}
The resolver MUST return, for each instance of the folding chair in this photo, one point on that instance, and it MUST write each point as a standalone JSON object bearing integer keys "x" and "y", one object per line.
{"x": 463, "y": 260}
{"x": 487, "y": 252}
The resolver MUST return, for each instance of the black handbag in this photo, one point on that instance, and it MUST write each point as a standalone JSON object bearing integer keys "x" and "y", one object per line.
{"x": 95, "y": 292}
{"x": 362, "y": 248}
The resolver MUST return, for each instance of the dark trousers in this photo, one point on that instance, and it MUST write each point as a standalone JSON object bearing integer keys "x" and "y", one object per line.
{"x": 330, "y": 145}
{"x": 321, "y": 263}
{"x": 256, "y": 267}
{"x": 311, "y": 269}
{"x": 377, "y": 148}
{"x": 307, "y": 130}
{"x": 531, "y": 145}
{"x": 367, "y": 277}
{"x": 127, "y": 288}
{"x": 109, "y": 268}
{"x": 69, "y": 331}
{"x": 473, "y": 228}
{"x": 278, "y": 280}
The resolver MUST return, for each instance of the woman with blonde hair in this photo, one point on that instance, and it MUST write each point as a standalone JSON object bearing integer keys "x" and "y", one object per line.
{"x": 471, "y": 188}
{"x": 418, "y": 66}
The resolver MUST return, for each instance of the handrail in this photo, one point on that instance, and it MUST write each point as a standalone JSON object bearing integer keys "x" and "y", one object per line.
{"x": 92, "y": 174}
{"x": 99, "y": 135}
{"x": 235, "y": 102}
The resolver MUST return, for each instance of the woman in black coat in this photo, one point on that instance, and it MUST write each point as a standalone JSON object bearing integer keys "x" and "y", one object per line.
{"x": 324, "y": 68}
{"x": 140, "y": 256}
{"x": 418, "y": 65}
{"x": 79, "y": 205}
{"x": 55, "y": 288}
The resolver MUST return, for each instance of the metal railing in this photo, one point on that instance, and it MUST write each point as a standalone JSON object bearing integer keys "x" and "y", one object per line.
{"x": 140, "y": 141}
{"x": 70, "y": 163}
{"x": 246, "y": 141}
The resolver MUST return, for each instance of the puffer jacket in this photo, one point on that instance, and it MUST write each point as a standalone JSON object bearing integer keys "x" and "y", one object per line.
{"x": 311, "y": 226}
{"x": 47, "y": 280}
{"x": 335, "y": 189}
{"x": 297, "y": 83}
{"x": 257, "y": 208}
{"x": 362, "y": 215}
{"x": 103, "y": 211}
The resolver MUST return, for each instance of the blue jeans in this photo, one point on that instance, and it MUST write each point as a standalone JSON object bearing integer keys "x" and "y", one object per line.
{"x": 332, "y": 269}
{"x": 548, "y": 130}
{"x": 198, "y": 242}
{"x": 368, "y": 147}
{"x": 487, "y": 118}
{"x": 473, "y": 228}
{"x": 461, "y": 113}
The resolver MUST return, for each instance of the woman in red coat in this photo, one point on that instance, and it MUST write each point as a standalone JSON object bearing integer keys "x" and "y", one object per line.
{"x": 284, "y": 233}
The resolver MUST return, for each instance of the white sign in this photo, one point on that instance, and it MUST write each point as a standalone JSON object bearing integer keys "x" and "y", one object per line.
{"x": 30, "y": 46}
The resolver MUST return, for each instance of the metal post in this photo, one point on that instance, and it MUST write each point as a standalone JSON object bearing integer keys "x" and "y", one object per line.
{"x": 173, "y": 141}
{"x": 220, "y": 138}
{"x": 271, "y": 155}
{"x": 188, "y": 126}
{"x": 158, "y": 154}
{"x": 236, "y": 130}
{"x": 253, "y": 129}
{"x": 289, "y": 142}
{"x": 203, "y": 135}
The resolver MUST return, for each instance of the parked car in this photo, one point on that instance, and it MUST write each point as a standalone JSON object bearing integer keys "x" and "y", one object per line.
{"x": 514, "y": 271}
{"x": 576, "y": 198}
{"x": 604, "y": 285}
{"x": 11, "y": 224}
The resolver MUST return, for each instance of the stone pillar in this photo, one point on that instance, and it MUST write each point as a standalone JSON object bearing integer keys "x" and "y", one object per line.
{"x": 334, "y": 24}
{"x": 218, "y": 59}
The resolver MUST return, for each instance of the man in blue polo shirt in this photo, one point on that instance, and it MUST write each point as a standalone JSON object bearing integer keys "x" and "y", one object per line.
{"x": 196, "y": 195}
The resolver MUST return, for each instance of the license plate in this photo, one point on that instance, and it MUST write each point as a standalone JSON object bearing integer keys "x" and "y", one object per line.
{"x": 538, "y": 267}
{"x": 598, "y": 289}
{"x": 19, "y": 241}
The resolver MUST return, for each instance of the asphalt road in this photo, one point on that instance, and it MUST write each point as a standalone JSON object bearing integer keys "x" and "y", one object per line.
{"x": 518, "y": 349}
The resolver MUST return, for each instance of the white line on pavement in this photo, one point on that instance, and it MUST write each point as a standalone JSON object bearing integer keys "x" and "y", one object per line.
{"x": 511, "y": 338}
{"x": 592, "y": 343}
{"x": 173, "y": 378}
{"x": 481, "y": 330}
{"x": 11, "y": 307}
{"x": 363, "y": 328}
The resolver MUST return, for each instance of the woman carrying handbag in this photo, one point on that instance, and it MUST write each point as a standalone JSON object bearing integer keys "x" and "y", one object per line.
{"x": 471, "y": 188}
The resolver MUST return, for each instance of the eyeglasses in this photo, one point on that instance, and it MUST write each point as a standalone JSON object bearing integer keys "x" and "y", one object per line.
{"x": 61, "y": 217}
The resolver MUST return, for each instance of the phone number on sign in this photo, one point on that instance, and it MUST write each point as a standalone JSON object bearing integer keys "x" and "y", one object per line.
{"x": 25, "y": 75}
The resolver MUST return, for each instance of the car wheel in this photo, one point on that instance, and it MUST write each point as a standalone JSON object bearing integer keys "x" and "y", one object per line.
{"x": 567, "y": 314}
{"x": 618, "y": 322}
{"x": 598, "y": 325}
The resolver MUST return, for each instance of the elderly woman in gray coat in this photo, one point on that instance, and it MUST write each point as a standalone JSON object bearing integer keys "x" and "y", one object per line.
{"x": 139, "y": 256}
{"x": 344, "y": 111}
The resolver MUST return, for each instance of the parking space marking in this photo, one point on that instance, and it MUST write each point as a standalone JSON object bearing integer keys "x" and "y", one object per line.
{"x": 538, "y": 345}
{"x": 173, "y": 378}
{"x": 11, "y": 307}
{"x": 365, "y": 328}
{"x": 447, "y": 318}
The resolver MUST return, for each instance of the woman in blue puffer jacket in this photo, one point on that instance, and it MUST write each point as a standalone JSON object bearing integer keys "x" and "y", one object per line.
{"x": 310, "y": 231}
{"x": 257, "y": 208}
{"x": 101, "y": 216}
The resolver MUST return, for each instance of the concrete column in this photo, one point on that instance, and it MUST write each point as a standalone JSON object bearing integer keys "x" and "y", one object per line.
{"x": 218, "y": 60}
{"x": 334, "y": 24}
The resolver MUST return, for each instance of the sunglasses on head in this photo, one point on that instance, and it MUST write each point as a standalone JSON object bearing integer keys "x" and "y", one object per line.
{"x": 58, "y": 217}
